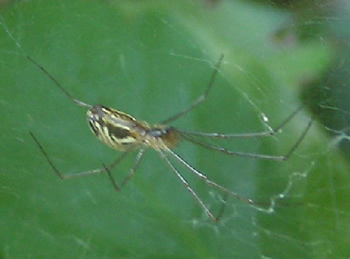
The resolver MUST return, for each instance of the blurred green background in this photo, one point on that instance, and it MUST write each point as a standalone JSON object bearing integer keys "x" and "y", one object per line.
{"x": 151, "y": 59}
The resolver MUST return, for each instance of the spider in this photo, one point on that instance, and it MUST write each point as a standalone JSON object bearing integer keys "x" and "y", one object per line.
{"x": 124, "y": 133}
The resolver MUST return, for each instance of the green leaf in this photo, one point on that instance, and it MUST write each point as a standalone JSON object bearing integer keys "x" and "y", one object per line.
{"x": 152, "y": 60}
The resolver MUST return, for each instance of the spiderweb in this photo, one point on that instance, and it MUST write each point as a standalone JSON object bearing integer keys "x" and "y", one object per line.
{"x": 151, "y": 60}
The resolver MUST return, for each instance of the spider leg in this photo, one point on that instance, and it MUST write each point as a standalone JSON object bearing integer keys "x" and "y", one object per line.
{"x": 200, "y": 99}
{"x": 285, "y": 157}
{"x": 267, "y": 133}
{"x": 130, "y": 173}
{"x": 75, "y": 101}
{"x": 206, "y": 180}
{"x": 187, "y": 185}
{"x": 85, "y": 173}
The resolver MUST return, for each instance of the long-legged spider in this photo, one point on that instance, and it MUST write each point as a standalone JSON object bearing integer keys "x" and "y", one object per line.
{"x": 123, "y": 132}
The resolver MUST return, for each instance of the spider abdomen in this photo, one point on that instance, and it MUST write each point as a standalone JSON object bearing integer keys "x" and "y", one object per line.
{"x": 123, "y": 132}
{"x": 116, "y": 129}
